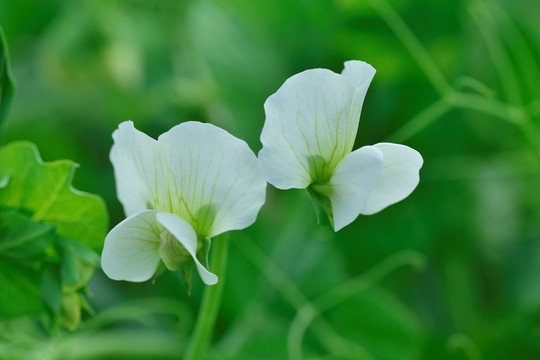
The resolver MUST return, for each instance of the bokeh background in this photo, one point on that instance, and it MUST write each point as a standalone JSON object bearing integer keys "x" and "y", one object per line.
{"x": 452, "y": 272}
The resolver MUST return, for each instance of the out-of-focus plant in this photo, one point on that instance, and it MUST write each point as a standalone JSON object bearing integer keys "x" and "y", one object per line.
{"x": 473, "y": 69}
{"x": 49, "y": 231}
{"x": 6, "y": 80}
{"x": 49, "y": 236}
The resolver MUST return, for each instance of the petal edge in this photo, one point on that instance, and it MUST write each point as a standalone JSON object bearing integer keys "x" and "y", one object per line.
{"x": 184, "y": 233}
{"x": 130, "y": 251}
{"x": 398, "y": 179}
{"x": 352, "y": 181}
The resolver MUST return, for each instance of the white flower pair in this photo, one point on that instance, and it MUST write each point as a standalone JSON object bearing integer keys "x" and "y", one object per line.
{"x": 197, "y": 181}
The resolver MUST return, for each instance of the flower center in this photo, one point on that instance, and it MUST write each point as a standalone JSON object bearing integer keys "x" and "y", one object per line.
{"x": 320, "y": 169}
{"x": 173, "y": 254}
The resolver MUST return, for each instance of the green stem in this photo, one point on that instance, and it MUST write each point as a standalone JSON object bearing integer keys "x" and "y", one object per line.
{"x": 204, "y": 327}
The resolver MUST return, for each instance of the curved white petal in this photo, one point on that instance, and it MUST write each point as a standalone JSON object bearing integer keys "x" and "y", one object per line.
{"x": 311, "y": 123}
{"x": 131, "y": 248}
{"x": 133, "y": 156}
{"x": 212, "y": 178}
{"x": 184, "y": 233}
{"x": 399, "y": 177}
{"x": 351, "y": 183}
{"x": 360, "y": 73}
{"x": 4, "y": 181}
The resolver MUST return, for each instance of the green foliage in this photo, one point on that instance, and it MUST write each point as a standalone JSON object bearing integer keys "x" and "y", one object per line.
{"x": 6, "y": 80}
{"x": 44, "y": 190}
{"x": 381, "y": 324}
{"x": 23, "y": 249}
{"x": 49, "y": 233}
{"x": 458, "y": 81}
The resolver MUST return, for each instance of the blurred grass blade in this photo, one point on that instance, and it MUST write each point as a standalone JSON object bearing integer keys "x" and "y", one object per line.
{"x": 518, "y": 45}
{"x": 7, "y": 87}
{"x": 489, "y": 29}
{"x": 413, "y": 45}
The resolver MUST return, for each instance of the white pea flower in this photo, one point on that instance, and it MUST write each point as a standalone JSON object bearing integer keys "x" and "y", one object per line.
{"x": 309, "y": 132}
{"x": 193, "y": 183}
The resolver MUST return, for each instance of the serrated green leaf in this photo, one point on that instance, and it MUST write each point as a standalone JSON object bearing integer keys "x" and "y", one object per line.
{"x": 7, "y": 88}
{"x": 44, "y": 189}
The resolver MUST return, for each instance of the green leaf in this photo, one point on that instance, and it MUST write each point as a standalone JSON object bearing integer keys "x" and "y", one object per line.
{"x": 78, "y": 263}
{"x": 7, "y": 88}
{"x": 22, "y": 240}
{"x": 20, "y": 290}
{"x": 50, "y": 287}
{"x": 44, "y": 190}
{"x": 42, "y": 217}
{"x": 27, "y": 274}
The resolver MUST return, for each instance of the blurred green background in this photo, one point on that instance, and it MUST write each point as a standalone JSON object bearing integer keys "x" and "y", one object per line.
{"x": 457, "y": 80}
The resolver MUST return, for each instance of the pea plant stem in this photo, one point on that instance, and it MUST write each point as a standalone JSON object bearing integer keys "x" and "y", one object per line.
{"x": 211, "y": 301}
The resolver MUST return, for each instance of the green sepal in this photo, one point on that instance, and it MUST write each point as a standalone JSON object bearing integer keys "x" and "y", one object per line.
{"x": 321, "y": 201}
{"x": 70, "y": 317}
{"x": 85, "y": 305}
{"x": 315, "y": 204}
{"x": 189, "y": 268}
{"x": 186, "y": 273}
{"x": 160, "y": 269}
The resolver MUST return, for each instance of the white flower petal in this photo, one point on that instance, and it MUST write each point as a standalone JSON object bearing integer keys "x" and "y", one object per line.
{"x": 351, "y": 183}
{"x": 399, "y": 177}
{"x": 4, "y": 181}
{"x": 212, "y": 178}
{"x": 133, "y": 156}
{"x": 184, "y": 233}
{"x": 311, "y": 123}
{"x": 359, "y": 73}
{"x": 131, "y": 248}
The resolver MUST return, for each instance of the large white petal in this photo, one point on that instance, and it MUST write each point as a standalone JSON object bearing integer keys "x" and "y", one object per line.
{"x": 399, "y": 177}
{"x": 131, "y": 248}
{"x": 184, "y": 233}
{"x": 133, "y": 156}
{"x": 311, "y": 123}
{"x": 351, "y": 183}
{"x": 213, "y": 179}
